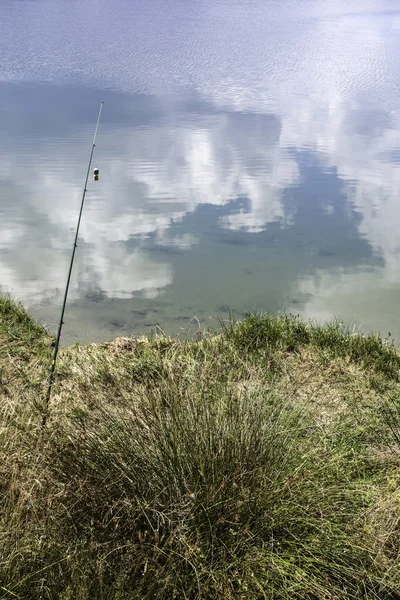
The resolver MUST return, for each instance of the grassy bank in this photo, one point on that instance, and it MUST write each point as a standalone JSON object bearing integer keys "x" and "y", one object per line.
{"x": 262, "y": 462}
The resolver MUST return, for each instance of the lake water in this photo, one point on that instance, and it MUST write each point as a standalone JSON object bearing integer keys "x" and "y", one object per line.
{"x": 249, "y": 156}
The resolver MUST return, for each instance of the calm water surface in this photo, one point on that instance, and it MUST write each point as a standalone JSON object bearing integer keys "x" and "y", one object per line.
{"x": 249, "y": 158}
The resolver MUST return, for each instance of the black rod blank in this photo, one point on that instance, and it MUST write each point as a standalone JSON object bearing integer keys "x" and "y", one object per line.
{"x": 61, "y": 323}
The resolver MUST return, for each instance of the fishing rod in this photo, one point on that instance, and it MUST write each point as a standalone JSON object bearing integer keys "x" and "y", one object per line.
{"x": 61, "y": 323}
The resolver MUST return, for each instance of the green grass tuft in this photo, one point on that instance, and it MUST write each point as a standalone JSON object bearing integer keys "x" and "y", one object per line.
{"x": 268, "y": 334}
